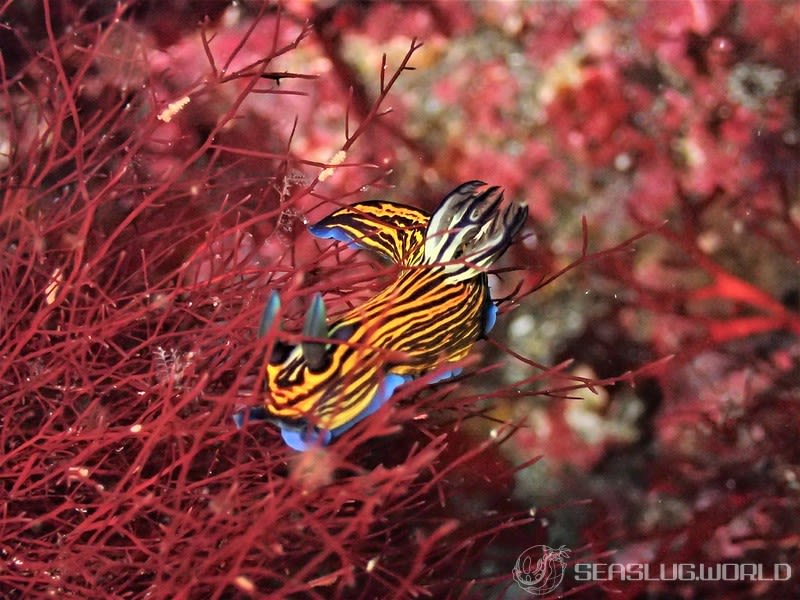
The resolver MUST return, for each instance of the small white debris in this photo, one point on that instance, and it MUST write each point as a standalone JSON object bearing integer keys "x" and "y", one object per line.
{"x": 522, "y": 326}
{"x": 78, "y": 472}
{"x": 337, "y": 159}
{"x": 232, "y": 16}
{"x": 623, "y": 161}
{"x": 136, "y": 428}
{"x": 371, "y": 563}
{"x": 173, "y": 109}
{"x": 245, "y": 584}
{"x": 750, "y": 84}
{"x": 51, "y": 290}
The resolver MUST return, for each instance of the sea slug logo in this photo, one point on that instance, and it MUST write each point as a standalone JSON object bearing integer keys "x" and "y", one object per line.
{"x": 540, "y": 569}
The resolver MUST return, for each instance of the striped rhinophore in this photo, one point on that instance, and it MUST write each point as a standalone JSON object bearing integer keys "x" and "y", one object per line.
{"x": 431, "y": 315}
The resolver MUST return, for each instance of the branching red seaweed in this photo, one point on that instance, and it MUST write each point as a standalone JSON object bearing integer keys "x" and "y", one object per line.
{"x": 637, "y": 402}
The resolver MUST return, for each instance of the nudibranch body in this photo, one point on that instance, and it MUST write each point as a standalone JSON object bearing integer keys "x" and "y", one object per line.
{"x": 431, "y": 315}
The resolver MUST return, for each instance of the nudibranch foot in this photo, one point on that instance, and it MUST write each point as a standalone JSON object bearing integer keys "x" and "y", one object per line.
{"x": 303, "y": 438}
{"x": 491, "y": 318}
{"x": 254, "y": 413}
{"x": 445, "y": 375}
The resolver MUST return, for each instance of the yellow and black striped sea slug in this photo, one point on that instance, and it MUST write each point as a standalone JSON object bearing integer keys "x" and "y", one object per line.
{"x": 431, "y": 315}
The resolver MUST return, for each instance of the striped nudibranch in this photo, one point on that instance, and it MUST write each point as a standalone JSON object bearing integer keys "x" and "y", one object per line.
{"x": 433, "y": 314}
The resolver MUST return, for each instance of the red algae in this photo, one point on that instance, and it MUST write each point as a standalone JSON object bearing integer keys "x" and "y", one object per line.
{"x": 636, "y": 404}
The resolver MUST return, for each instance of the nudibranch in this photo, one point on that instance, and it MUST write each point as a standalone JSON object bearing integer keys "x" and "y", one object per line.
{"x": 432, "y": 314}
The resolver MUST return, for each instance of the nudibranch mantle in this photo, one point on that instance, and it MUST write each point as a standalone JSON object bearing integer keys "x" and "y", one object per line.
{"x": 432, "y": 315}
